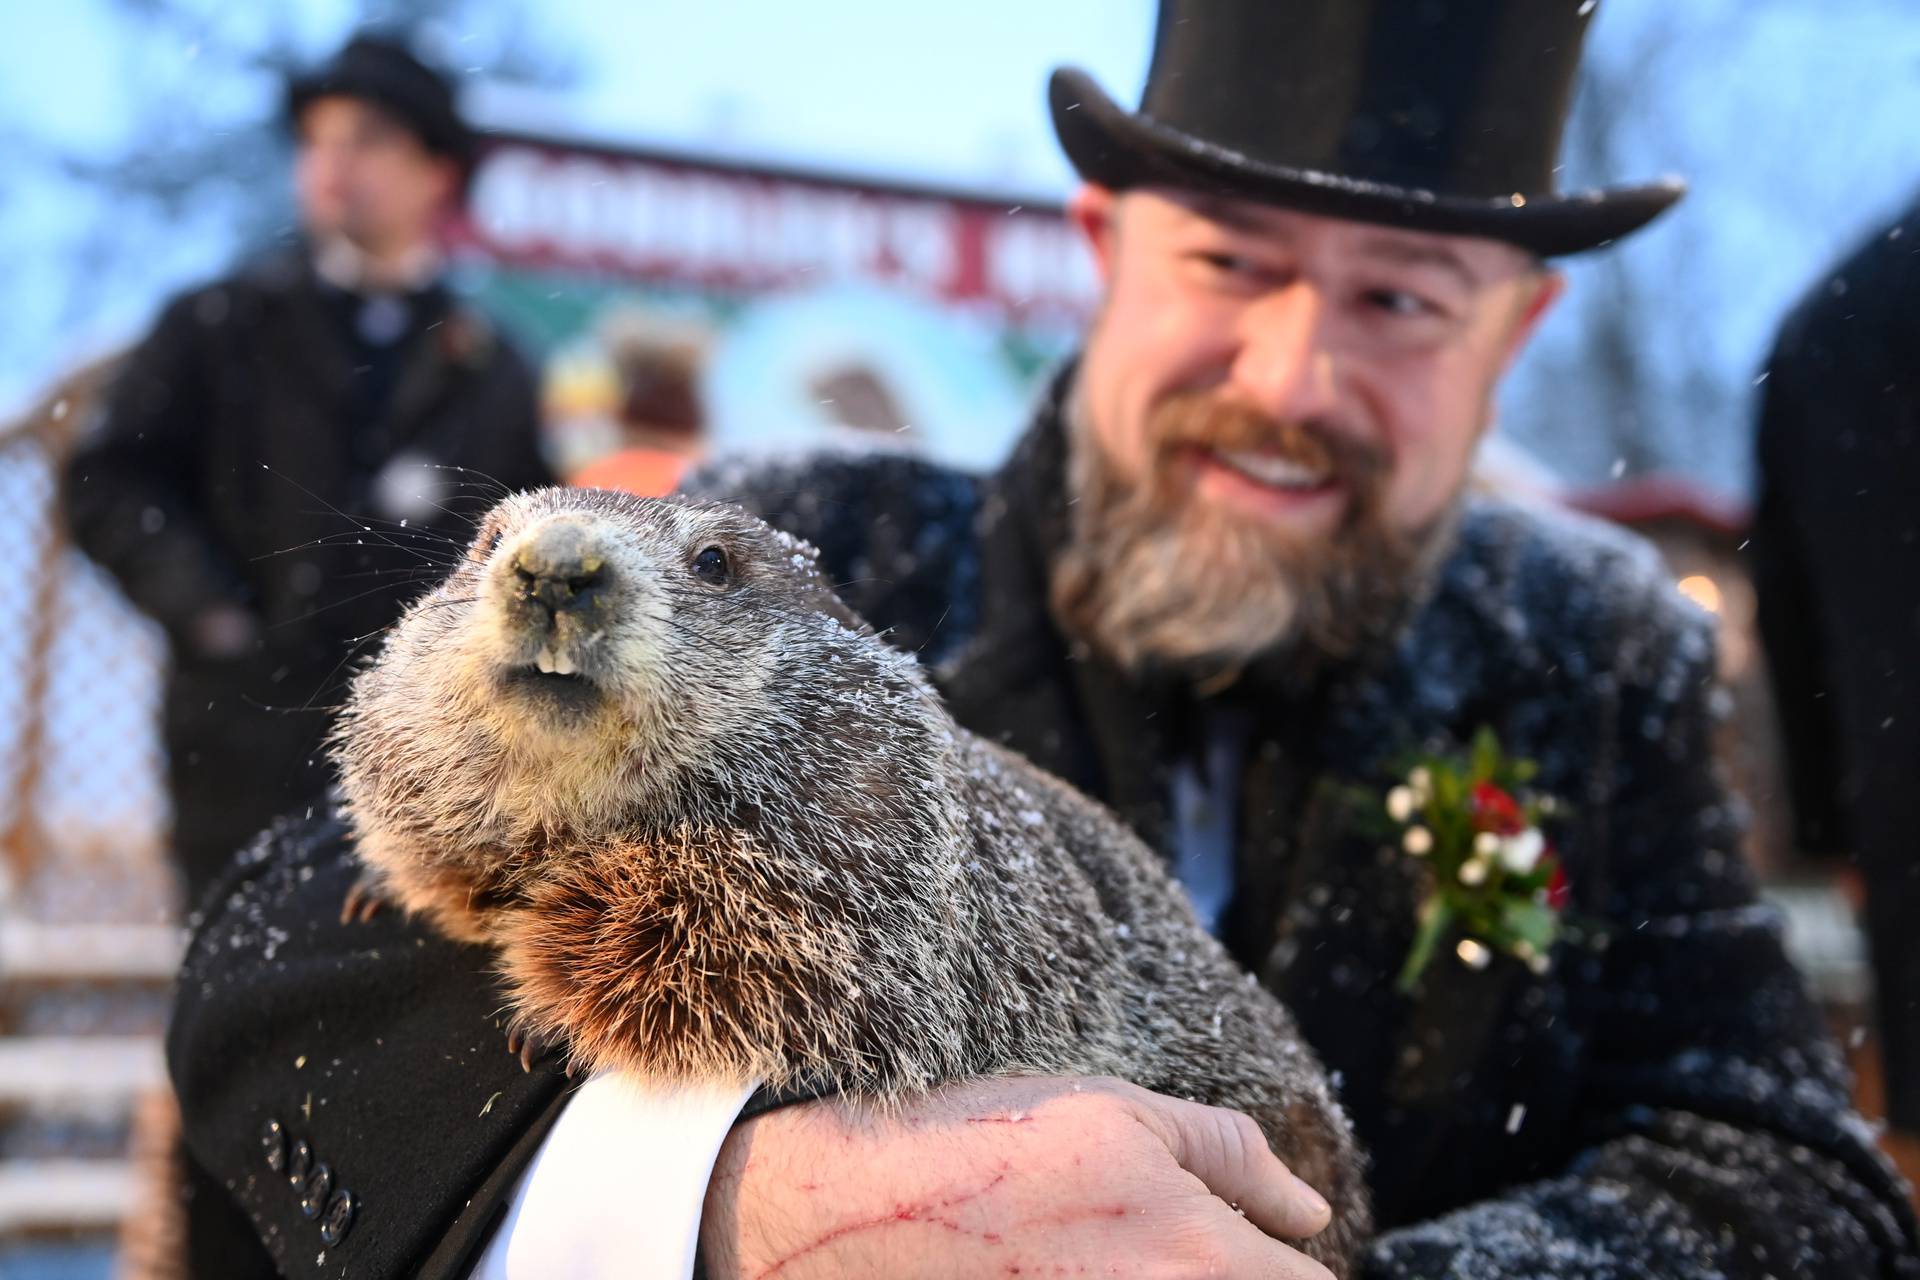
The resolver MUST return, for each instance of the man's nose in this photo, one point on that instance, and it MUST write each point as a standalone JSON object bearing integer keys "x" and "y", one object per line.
{"x": 1286, "y": 366}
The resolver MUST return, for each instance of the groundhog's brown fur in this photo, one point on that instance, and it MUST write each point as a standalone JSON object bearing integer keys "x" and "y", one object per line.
{"x": 744, "y": 840}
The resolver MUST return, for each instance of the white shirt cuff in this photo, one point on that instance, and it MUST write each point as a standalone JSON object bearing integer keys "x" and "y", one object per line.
{"x": 617, "y": 1185}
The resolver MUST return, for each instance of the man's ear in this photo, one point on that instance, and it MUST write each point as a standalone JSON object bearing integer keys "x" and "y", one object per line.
{"x": 1544, "y": 289}
{"x": 1091, "y": 210}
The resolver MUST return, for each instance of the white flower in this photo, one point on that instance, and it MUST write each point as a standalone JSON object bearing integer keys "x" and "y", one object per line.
{"x": 1472, "y": 954}
{"x": 1535, "y": 959}
{"x": 1520, "y": 853}
{"x": 1422, "y": 783}
{"x": 1418, "y": 841}
{"x": 1473, "y": 871}
{"x": 1400, "y": 804}
{"x": 1486, "y": 844}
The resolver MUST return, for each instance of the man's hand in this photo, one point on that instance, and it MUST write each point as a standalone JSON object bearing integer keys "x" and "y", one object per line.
{"x": 1007, "y": 1178}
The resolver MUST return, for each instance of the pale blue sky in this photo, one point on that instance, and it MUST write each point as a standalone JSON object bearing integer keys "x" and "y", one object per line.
{"x": 946, "y": 91}
{"x": 950, "y": 91}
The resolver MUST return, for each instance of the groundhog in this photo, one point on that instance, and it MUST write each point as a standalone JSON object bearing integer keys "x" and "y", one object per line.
{"x": 719, "y": 829}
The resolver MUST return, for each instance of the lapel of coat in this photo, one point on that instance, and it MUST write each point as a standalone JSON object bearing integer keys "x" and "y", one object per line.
{"x": 451, "y": 345}
{"x": 315, "y": 352}
{"x": 1453, "y": 670}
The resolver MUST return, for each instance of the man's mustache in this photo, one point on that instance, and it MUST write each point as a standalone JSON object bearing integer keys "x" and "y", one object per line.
{"x": 1205, "y": 420}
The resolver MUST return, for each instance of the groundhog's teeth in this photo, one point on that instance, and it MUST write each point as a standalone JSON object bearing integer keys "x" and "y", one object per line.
{"x": 544, "y": 661}
{"x": 563, "y": 664}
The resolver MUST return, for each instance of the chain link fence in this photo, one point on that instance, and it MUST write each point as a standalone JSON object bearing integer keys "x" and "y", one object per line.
{"x": 88, "y": 903}
{"x": 82, "y": 794}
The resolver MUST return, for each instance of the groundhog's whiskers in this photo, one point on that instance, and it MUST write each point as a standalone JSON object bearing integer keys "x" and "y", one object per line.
{"x": 492, "y": 487}
{"x": 347, "y": 538}
{"x": 743, "y": 602}
{"x": 696, "y": 634}
{"x": 364, "y": 525}
{"x": 404, "y": 573}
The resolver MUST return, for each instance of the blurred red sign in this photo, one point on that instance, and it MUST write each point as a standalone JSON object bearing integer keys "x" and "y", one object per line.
{"x": 657, "y": 218}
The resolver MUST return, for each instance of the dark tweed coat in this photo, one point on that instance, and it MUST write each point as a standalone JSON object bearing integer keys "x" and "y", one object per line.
{"x": 1663, "y": 1103}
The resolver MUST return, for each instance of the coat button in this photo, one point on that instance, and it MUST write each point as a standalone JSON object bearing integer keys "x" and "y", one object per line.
{"x": 273, "y": 1142}
{"x": 299, "y": 1163}
{"x": 333, "y": 1227}
{"x": 319, "y": 1186}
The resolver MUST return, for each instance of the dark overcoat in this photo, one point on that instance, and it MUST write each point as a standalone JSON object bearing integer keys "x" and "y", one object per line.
{"x": 1836, "y": 549}
{"x": 1661, "y": 1103}
{"x": 256, "y": 453}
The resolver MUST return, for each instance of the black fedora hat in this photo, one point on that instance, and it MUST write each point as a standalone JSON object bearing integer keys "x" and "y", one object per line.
{"x": 375, "y": 69}
{"x": 1436, "y": 115}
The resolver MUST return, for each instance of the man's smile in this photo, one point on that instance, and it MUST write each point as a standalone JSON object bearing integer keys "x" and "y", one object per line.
{"x": 1270, "y": 486}
{"x": 1274, "y": 470}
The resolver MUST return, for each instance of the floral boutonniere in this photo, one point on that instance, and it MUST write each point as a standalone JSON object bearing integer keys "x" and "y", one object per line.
{"x": 1494, "y": 881}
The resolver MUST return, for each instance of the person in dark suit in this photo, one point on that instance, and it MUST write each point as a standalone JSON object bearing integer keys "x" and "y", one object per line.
{"x": 1836, "y": 555}
{"x": 1230, "y": 574}
{"x": 280, "y": 452}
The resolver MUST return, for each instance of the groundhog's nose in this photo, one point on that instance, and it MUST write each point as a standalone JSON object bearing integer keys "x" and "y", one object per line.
{"x": 569, "y": 587}
{"x": 560, "y": 568}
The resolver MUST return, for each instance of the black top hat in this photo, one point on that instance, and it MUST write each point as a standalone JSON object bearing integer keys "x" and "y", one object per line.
{"x": 380, "y": 71}
{"x": 1437, "y": 115}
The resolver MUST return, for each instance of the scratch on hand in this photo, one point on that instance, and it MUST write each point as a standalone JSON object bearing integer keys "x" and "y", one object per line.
{"x": 923, "y": 1213}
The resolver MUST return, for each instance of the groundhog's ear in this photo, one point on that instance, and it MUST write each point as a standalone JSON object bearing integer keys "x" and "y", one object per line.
{"x": 840, "y": 611}
{"x": 805, "y": 557}
{"x": 829, "y": 602}
{"x": 800, "y": 553}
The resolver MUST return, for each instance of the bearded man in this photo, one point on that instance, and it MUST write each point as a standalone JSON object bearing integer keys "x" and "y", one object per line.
{"x": 1226, "y": 579}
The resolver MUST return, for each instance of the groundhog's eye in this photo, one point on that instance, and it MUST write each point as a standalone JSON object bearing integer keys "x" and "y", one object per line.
{"x": 493, "y": 542}
{"x": 712, "y": 567}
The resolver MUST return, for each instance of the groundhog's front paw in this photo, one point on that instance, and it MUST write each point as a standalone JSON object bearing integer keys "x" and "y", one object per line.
{"x": 528, "y": 1044}
{"x": 364, "y": 901}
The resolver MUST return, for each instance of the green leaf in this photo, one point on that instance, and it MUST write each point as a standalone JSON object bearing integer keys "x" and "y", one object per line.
{"x": 1435, "y": 919}
{"x": 1532, "y": 922}
{"x": 1486, "y": 754}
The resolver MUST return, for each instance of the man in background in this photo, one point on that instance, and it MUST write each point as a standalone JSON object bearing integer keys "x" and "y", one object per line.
{"x": 1836, "y": 546}
{"x": 282, "y": 454}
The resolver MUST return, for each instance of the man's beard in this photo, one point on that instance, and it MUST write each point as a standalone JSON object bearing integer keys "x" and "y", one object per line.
{"x": 1166, "y": 585}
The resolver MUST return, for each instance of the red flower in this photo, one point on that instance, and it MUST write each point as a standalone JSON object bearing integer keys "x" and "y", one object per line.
{"x": 1558, "y": 894}
{"x": 1496, "y": 811}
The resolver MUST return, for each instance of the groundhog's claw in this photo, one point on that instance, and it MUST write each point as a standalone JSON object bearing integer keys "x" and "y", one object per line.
{"x": 363, "y": 902}
{"x": 528, "y": 1044}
